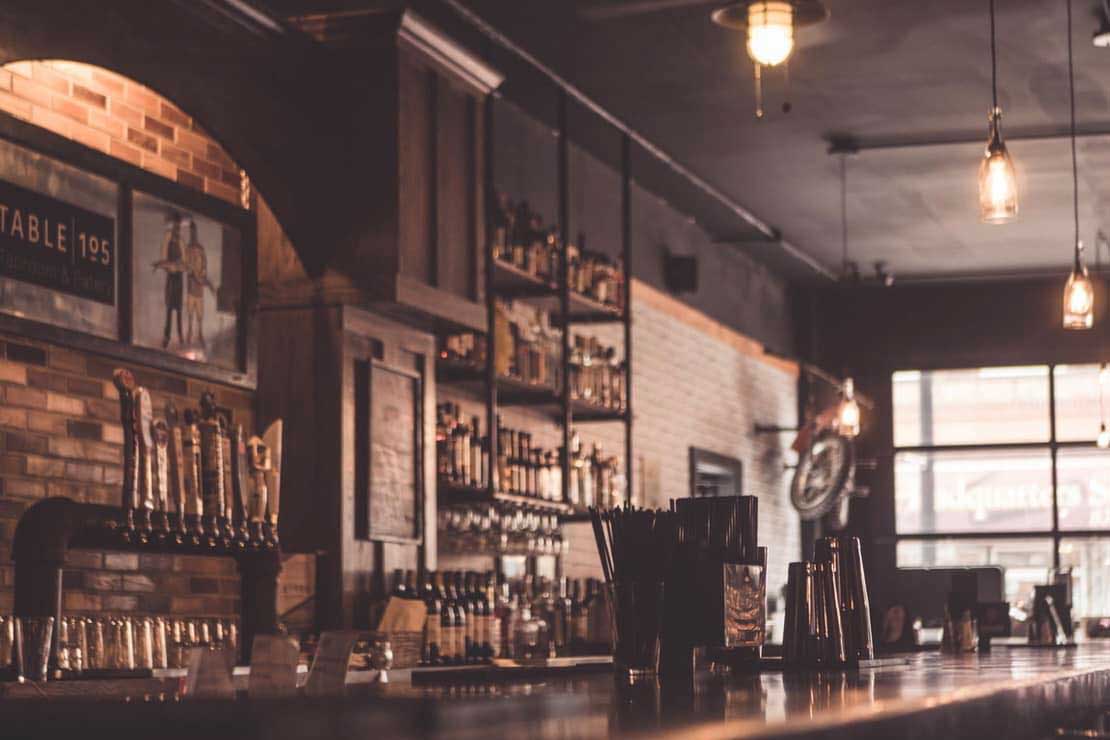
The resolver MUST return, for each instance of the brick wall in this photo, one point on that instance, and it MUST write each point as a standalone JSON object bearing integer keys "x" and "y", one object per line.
{"x": 117, "y": 116}
{"x": 60, "y": 436}
{"x": 695, "y": 383}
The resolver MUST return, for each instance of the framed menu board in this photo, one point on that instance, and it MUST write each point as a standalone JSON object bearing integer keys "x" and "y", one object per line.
{"x": 59, "y": 252}
{"x": 389, "y": 453}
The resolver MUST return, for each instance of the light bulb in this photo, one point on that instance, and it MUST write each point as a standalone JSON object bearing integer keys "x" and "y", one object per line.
{"x": 770, "y": 32}
{"x": 1103, "y": 440}
{"x": 997, "y": 178}
{"x": 847, "y": 415}
{"x": 1079, "y": 300}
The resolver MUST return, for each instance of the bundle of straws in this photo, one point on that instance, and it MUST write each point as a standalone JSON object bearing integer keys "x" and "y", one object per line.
{"x": 633, "y": 544}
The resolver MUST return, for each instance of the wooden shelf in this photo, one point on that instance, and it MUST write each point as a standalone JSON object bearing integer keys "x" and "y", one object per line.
{"x": 453, "y": 493}
{"x": 585, "y": 310}
{"x": 509, "y": 281}
{"x": 585, "y": 411}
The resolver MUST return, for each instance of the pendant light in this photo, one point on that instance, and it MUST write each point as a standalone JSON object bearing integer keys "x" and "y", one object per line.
{"x": 769, "y": 27}
{"x": 770, "y": 32}
{"x": 1103, "y": 440}
{"x": 998, "y": 202}
{"x": 1079, "y": 292}
{"x": 847, "y": 414}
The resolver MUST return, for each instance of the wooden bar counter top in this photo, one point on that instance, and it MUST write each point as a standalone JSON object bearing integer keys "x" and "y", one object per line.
{"x": 1011, "y": 692}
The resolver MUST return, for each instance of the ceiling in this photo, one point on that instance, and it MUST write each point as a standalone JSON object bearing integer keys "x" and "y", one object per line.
{"x": 876, "y": 70}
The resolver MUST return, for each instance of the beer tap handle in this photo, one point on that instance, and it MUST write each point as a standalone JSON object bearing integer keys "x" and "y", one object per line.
{"x": 124, "y": 382}
{"x": 161, "y": 475}
{"x": 273, "y": 439}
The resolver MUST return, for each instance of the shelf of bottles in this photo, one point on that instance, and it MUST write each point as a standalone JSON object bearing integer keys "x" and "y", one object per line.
{"x": 528, "y": 367}
{"x": 473, "y": 618}
{"x": 527, "y": 262}
{"x": 526, "y": 480}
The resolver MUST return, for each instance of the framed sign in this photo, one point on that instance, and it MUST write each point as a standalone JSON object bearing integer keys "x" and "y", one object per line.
{"x": 59, "y": 249}
{"x": 713, "y": 474}
{"x": 388, "y": 453}
{"x": 188, "y": 282}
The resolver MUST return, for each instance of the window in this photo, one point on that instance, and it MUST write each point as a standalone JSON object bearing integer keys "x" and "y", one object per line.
{"x": 998, "y": 466}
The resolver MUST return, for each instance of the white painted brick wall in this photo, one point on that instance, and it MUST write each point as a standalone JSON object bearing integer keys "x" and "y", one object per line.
{"x": 690, "y": 388}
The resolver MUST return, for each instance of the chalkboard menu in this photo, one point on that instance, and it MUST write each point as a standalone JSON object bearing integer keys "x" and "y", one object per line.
{"x": 390, "y": 482}
{"x": 48, "y": 242}
{"x": 393, "y": 454}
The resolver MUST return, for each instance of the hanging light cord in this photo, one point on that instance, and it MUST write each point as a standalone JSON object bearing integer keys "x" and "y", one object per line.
{"x": 1074, "y": 159}
{"x": 994, "y": 64}
{"x": 844, "y": 213}
{"x": 1101, "y": 411}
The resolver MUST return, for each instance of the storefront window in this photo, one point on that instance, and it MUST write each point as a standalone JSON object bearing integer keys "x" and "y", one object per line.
{"x": 961, "y": 407}
{"x": 973, "y": 491}
{"x": 976, "y": 453}
{"x": 1077, "y": 412}
{"x": 58, "y": 244}
{"x": 1024, "y": 562}
{"x": 1089, "y": 561}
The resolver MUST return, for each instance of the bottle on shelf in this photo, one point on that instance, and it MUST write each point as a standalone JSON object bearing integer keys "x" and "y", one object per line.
{"x": 431, "y": 652}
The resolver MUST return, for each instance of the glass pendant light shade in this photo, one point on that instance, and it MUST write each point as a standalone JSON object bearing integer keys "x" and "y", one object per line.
{"x": 770, "y": 32}
{"x": 847, "y": 415}
{"x": 998, "y": 201}
{"x": 1079, "y": 299}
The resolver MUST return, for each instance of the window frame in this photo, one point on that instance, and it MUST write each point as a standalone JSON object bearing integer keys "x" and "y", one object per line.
{"x": 1052, "y": 446}
{"x": 129, "y": 178}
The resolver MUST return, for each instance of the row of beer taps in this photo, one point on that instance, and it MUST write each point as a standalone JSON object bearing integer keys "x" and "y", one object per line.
{"x": 194, "y": 478}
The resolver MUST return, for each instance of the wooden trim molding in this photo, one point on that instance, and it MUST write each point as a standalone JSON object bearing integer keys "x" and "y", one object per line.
{"x": 435, "y": 45}
{"x": 692, "y": 317}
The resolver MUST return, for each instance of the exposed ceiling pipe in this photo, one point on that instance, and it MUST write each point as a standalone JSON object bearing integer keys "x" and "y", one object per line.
{"x": 847, "y": 144}
{"x": 772, "y": 234}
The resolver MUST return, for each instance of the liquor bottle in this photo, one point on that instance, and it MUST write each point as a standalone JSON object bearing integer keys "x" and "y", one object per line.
{"x": 543, "y": 476}
{"x": 476, "y": 475}
{"x": 443, "y": 466}
{"x": 491, "y": 636}
{"x": 561, "y": 618}
{"x": 446, "y": 621}
{"x": 574, "y": 491}
{"x": 430, "y": 654}
{"x": 555, "y": 473}
{"x": 503, "y": 483}
{"x": 500, "y": 223}
{"x": 579, "y": 620}
{"x": 458, "y": 605}
{"x": 505, "y": 615}
{"x": 399, "y": 591}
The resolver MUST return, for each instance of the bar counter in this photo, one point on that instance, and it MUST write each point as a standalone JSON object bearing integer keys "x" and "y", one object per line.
{"x": 1012, "y": 692}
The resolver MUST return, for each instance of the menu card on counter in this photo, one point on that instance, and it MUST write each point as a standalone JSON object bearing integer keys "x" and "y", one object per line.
{"x": 273, "y": 667}
{"x": 209, "y": 674}
{"x": 403, "y": 615}
{"x": 328, "y": 674}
